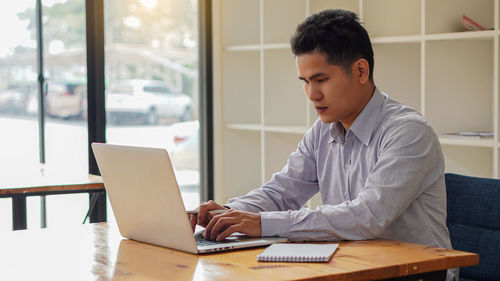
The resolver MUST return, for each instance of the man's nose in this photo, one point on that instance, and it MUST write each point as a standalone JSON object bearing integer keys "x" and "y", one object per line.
{"x": 313, "y": 93}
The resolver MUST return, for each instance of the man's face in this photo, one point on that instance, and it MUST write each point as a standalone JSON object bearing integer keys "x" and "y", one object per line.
{"x": 335, "y": 95}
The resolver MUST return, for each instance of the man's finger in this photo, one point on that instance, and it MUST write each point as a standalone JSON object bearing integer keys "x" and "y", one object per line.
{"x": 210, "y": 225}
{"x": 204, "y": 208}
{"x": 193, "y": 220}
{"x": 202, "y": 212}
{"x": 214, "y": 220}
{"x": 221, "y": 224}
{"x": 230, "y": 230}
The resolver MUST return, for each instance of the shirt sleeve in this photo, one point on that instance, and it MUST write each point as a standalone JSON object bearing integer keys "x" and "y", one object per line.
{"x": 410, "y": 160}
{"x": 288, "y": 189}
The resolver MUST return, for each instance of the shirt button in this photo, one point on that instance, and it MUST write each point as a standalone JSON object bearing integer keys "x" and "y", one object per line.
{"x": 347, "y": 166}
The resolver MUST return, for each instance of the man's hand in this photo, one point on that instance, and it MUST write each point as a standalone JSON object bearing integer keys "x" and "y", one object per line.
{"x": 204, "y": 215}
{"x": 223, "y": 225}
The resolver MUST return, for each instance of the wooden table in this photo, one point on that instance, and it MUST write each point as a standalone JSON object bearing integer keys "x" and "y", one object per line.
{"x": 98, "y": 252}
{"x": 41, "y": 182}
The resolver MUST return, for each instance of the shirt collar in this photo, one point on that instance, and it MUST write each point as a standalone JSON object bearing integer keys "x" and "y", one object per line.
{"x": 364, "y": 124}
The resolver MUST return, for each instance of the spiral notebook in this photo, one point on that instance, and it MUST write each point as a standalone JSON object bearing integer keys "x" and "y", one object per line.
{"x": 294, "y": 252}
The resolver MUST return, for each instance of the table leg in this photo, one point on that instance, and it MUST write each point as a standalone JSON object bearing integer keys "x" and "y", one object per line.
{"x": 19, "y": 212}
{"x": 98, "y": 211}
{"x": 92, "y": 201}
{"x": 43, "y": 212}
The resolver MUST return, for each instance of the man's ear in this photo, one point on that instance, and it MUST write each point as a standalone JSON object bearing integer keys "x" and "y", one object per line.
{"x": 361, "y": 70}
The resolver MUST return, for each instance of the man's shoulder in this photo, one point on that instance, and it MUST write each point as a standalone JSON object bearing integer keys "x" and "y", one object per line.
{"x": 399, "y": 122}
{"x": 395, "y": 114}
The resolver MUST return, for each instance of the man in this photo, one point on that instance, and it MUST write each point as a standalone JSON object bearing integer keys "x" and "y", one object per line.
{"x": 377, "y": 163}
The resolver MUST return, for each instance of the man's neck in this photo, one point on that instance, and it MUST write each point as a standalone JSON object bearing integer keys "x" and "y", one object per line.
{"x": 368, "y": 94}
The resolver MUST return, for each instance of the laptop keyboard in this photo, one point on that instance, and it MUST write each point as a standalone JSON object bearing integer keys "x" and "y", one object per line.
{"x": 200, "y": 241}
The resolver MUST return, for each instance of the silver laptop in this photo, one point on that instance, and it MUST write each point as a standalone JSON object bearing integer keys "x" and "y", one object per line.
{"x": 147, "y": 203}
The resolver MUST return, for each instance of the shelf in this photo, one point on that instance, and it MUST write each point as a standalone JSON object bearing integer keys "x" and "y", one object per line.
{"x": 278, "y": 28}
{"x": 278, "y": 148}
{"x": 424, "y": 58}
{"x": 300, "y": 130}
{"x": 242, "y": 159}
{"x": 319, "y": 5}
{"x": 236, "y": 48}
{"x": 445, "y": 16}
{"x": 245, "y": 127}
{"x": 467, "y": 142}
{"x": 466, "y": 160}
{"x": 271, "y": 129}
{"x": 240, "y": 28}
{"x": 398, "y": 18}
{"x": 463, "y": 35}
{"x": 396, "y": 39}
{"x": 257, "y": 47}
{"x": 284, "y": 99}
{"x": 388, "y": 58}
{"x": 496, "y": 92}
{"x": 241, "y": 87}
{"x": 459, "y": 85}
{"x": 486, "y": 34}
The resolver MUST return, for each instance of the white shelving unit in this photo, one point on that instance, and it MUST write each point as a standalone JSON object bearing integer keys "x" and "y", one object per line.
{"x": 423, "y": 58}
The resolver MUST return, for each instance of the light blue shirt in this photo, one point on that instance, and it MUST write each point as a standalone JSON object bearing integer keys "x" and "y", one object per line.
{"x": 383, "y": 178}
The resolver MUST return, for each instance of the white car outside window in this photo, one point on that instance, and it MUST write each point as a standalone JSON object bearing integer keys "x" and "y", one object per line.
{"x": 149, "y": 100}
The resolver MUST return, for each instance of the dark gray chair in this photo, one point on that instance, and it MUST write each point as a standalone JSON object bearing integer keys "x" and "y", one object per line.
{"x": 474, "y": 223}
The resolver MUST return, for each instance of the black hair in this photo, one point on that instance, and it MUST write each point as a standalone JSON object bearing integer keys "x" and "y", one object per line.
{"x": 338, "y": 34}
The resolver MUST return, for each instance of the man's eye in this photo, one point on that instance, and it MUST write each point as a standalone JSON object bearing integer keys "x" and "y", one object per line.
{"x": 322, "y": 79}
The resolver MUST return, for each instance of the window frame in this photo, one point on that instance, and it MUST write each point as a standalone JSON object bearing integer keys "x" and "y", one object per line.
{"x": 96, "y": 92}
{"x": 96, "y": 112}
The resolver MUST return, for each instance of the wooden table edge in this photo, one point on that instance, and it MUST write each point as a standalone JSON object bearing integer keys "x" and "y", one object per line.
{"x": 463, "y": 259}
{"x": 52, "y": 188}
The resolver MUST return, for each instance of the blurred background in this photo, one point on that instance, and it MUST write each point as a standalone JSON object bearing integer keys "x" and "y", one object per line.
{"x": 151, "y": 70}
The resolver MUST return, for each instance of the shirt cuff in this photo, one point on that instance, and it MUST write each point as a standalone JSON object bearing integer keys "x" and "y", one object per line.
{"x": 274, "y": 223}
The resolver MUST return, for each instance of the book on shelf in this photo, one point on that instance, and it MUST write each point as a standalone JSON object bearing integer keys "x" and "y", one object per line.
{"x": 470, "y": 135}
{"x": 470, "y": 24}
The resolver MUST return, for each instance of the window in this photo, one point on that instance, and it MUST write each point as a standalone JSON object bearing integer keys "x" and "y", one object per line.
{"x": 19, "y": 148}
{"x": 151, "y": 59}
{"x": 152, "y": 50}
{"x": 18, "y": 108}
